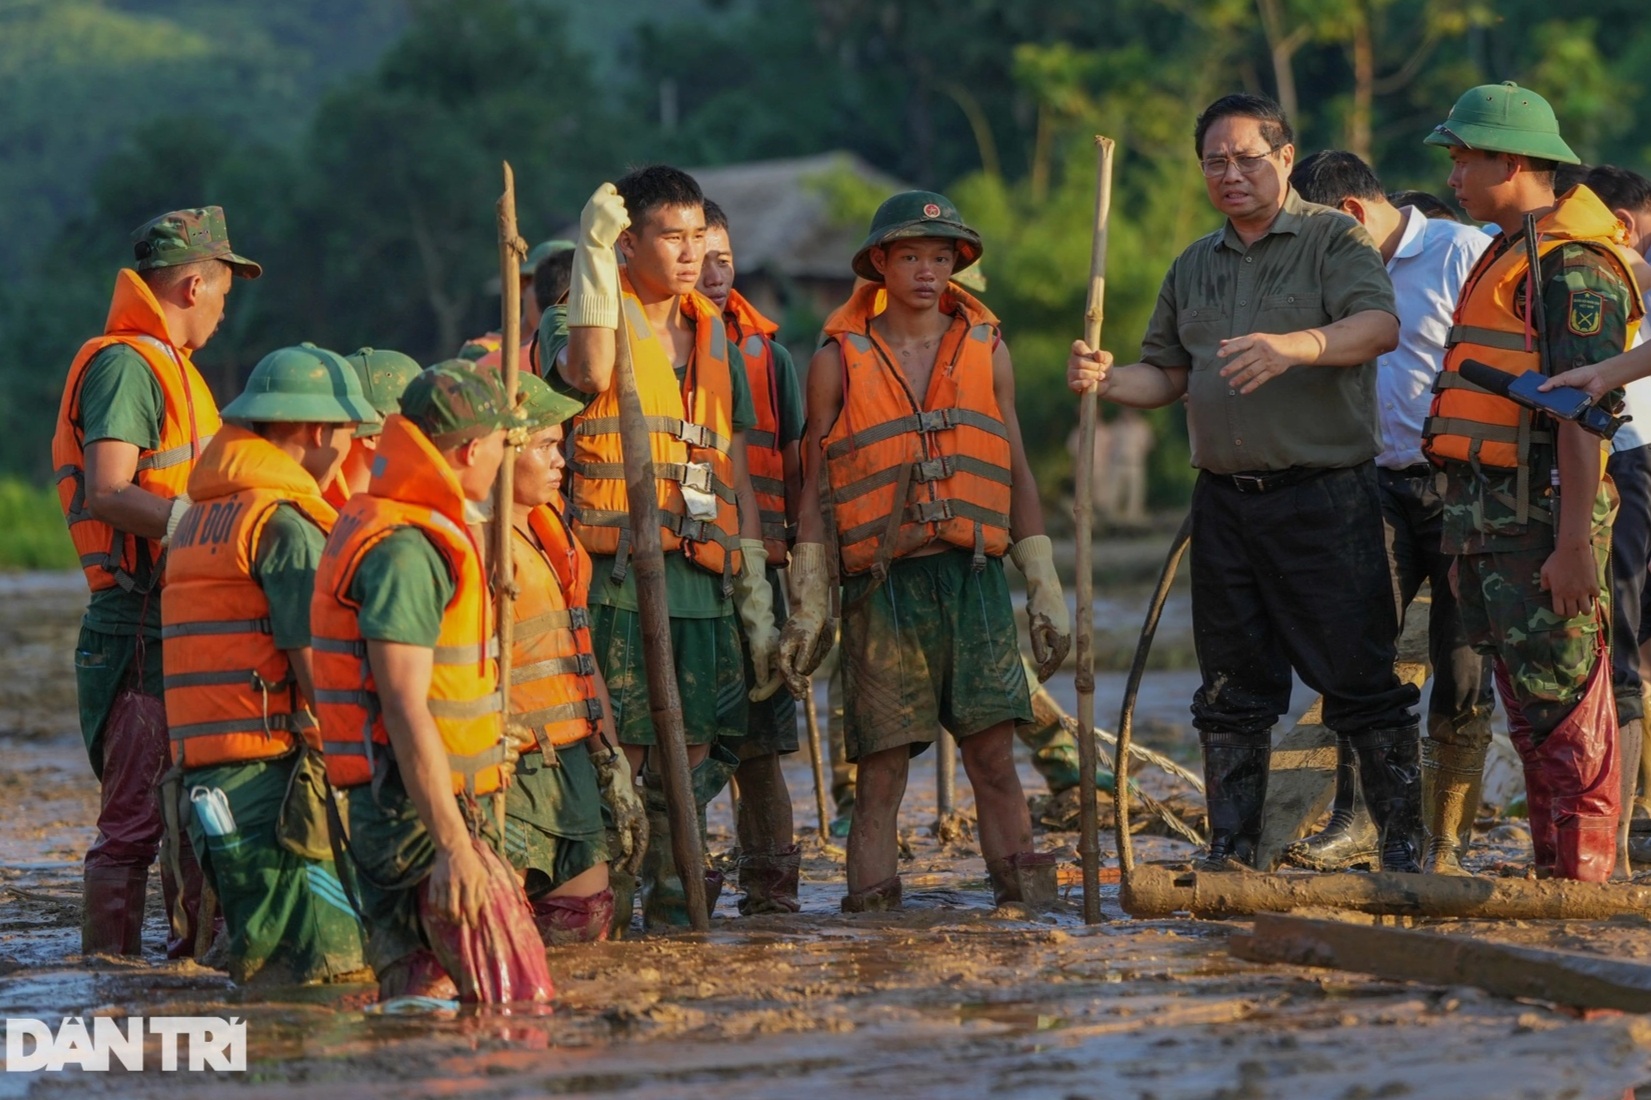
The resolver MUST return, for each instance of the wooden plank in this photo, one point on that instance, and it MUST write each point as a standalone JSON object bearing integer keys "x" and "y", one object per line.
{"x": 1506, "y": 970}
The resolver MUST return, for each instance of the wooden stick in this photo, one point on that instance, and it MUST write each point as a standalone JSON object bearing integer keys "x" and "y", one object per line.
{"x": 648, "y": 563}
{"x": 816, "y": 759}
{"x": 1089, "y": 845}
{"x": 512, "y": 250}
{"x": 945, "y": 782}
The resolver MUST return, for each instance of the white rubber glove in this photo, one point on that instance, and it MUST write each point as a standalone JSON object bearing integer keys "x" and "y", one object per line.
{"x": 755, "y": 600}
{"x": 1046, "y": 613}
{"x": 180, "y": 505}
{"x": 593, "y": 292}
{"x": 807, "y": 637}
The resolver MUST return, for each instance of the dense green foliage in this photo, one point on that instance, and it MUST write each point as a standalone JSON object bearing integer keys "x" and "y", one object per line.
{"x": 356, "y": 146}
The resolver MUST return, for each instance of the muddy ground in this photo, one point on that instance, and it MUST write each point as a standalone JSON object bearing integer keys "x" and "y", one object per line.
{"x": 945, "y": 999}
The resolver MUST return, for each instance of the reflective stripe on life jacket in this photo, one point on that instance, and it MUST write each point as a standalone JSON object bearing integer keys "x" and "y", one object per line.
{"x": 189, "y": 418}
{"x": 412, "y": 486}
{"x": 690, "y": 427}
{"x": 944, "y": 463}
{"x": 230, "y": 694}
{"x": 753, "y": 334}
{"x": 552, "y": 664}
{"x": 1467, "y": 424}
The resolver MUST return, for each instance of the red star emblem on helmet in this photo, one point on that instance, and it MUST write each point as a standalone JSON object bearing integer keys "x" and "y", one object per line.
{"x": 932, "y": 210}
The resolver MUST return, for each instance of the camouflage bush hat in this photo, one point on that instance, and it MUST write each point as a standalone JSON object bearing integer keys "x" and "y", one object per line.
{"x": 383, "y": 375}
{"x": 1504, "y": 118}
{"x": 187, "y": 237}
{"x": 541, "y": 252}
{"x": 452, "y": 403}
{"x": 540, "y": 406}
{"x": 301, "y": 385}
{"x": 917, "y": 214}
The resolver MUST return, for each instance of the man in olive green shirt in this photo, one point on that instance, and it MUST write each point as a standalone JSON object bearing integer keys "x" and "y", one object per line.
{"x": 1270, "y": 328}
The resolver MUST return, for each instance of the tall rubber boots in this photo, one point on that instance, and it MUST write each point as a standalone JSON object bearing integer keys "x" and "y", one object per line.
{"x": 1630, "y": 740}
{"x": 769, "y": 881}
{"x": 1349, "y": 840}
{"x": 129, "y": 826}
{"x": 1235, "y": 790}
{"x": 1391, "y": 775}
{"x": 1452, "y": 777}
{"x": 664, "y": 904}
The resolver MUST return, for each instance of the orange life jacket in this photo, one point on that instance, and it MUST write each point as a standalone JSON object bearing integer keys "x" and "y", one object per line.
{"x": 552, "y": 665}
{"x": 753, "y": 334}
{"x": 691, "y": 428}
{"x": 943, "y": 462}
{"x": 336, "y": 492}
{"x": 189, "y": 418}
{"x": 230, "y": 694}
{"x": 412, "y": 486}
{"x": 1467, "y": 424}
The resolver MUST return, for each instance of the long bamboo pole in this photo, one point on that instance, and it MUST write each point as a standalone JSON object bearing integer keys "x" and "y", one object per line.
{"x": 512, "y": 250}
{"x": 1089, "y": 845}
{"x": 648, "y": 563}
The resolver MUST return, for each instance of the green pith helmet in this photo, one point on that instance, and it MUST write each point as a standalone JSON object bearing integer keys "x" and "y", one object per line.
{"x": 452, "y": 404}
{"x": 383, "y": 375}
{"x": 540, "y": 406}
{"x": 1504, "y": 118}
{"x": 917, "y": 214}
{"x": 301, "y": 385}
{"x": 541, "y": 252}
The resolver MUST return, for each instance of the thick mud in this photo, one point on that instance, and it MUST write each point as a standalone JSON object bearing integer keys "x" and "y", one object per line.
{"x": 945, "y": 999}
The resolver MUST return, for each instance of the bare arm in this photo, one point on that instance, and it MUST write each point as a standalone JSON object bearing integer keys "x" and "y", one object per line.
{"x": 1025, "y": 507}
{"x": 750, "y": 518}
{"x": 113, "y": 498}
{"x": 1137, "y": 385}
{"x": 1569, "y": 574}
{"x": 791, "y": 458}
{"x": 1599, "y": 379}
{"x": 586, "y": 362}
{"x": 302, "y": 663}
{"x": 1352, "y": 341}
{"x": 823, "y": 403}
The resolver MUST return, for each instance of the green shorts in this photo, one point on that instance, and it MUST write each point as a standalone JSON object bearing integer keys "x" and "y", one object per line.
{"x": 934, "y": 646}
{"x": 771, "y": 728}
{"x": 710, "y": 675}
{"x": 289, "y": 918}
{"x": 104, "y": 665}
{"x": 553, "y": 818}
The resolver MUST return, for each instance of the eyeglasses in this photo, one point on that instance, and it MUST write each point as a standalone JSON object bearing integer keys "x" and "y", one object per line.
{"x": 1248, "y": 163}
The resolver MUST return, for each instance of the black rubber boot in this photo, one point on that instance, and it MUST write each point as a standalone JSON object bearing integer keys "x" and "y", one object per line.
{"x": 1235, "y": 789}
{"x": 1348, "y": 842}
{"x": 1391, "y": 774}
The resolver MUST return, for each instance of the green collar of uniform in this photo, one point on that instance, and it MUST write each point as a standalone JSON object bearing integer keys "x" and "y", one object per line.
{"x": 1288, "y": 220}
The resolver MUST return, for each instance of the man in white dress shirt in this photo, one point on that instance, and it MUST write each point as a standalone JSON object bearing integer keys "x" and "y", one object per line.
{"x": 1428, "y": 260}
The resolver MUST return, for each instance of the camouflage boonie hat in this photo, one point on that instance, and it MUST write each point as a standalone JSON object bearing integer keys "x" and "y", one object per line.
{"x": 384, "y": 375}
{"x": 540, "y": 406}
{"x": 541, "y": 252}
{"x": 187, "y": 237}
{"x": 452, "y": 403}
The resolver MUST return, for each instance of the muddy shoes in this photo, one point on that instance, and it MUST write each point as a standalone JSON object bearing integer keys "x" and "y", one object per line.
{"x": 563, "y": 920}
{"x": 1235, "y": 790}
{"x": 884, "y": 897}
{"x": 1348, "y": 842}
{"x": 1452, "y": 775}
{"x": 1052, "y": 737}
{"x": 1026, "y": 878}
{"x": 769, "y": 882}
{"x": 1390, "y": 774}
{"x": 664, "y": 904}
{"x": 111, "y": 918}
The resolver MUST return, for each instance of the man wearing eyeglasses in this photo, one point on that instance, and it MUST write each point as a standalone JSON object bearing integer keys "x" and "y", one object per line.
{"x": 1270, "y": 328}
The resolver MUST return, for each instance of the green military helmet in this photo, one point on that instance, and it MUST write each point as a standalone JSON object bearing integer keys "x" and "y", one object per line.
{"x": 383, "y": 374}
{"x": 917, "y": 214}
{"x": 452, "y": 403}
{"x": 301, "y": 385}
{"x": 1504, "y": 118}
{"x": 540, "y": 406}
{"x": 541, "y": 252}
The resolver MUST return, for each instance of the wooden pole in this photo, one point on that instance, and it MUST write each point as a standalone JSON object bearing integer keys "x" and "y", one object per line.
{"x": 945, "y": 783}
{"x": 816, "y": 759}
{"x": 1089, "y": 845}
{"x": 648, "y": 563}
{"x": 512, "y": 250}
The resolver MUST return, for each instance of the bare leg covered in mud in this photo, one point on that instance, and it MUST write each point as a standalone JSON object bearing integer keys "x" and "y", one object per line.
{"x": 873, "y": 855}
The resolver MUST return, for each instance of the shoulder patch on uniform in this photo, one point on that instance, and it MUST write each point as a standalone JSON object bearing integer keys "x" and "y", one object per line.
{"x": 1586, "y": 314}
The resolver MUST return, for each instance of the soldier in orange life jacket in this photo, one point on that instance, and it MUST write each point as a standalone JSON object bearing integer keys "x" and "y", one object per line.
{"x": 554, "y": 834}
{"x": 383, "y": 374}
{"x": 769, "y": 858}
{"x": 1527, "y": 504}
{"x": 235, "y": 613}
{"x": 550, "y": 288}
{"x": 697, "y": 399}
{"x": 135, "y": 417}
{"x": 911, "y": 411}
{"x": 407, "y": 689}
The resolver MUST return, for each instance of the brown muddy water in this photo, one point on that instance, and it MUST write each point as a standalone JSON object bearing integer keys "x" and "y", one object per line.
{"x": 946, "y": 999}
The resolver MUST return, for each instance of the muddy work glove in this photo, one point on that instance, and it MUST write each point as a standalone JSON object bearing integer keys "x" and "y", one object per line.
{"x": 755, "y": 600}
{"x": 807, "y": 636}
{"x": 1046, "y": 613}
{"x": 593, "y": 292}
{"x": 630, "y": 820}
